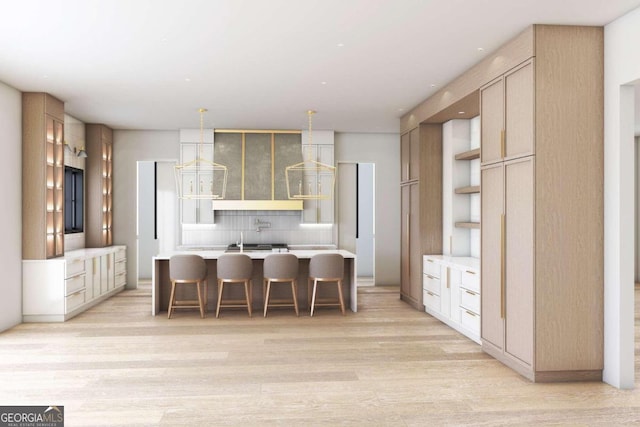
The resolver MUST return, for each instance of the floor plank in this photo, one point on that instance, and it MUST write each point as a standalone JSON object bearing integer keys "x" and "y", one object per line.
{"x": 387, "y": 365}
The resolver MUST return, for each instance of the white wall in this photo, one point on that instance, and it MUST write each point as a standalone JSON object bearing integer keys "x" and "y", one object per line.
{"x": 384, "y": 151}
{"x": 622, "y": 67}
{"x": 11, "y": 214}
{"x": 130, "y": 146}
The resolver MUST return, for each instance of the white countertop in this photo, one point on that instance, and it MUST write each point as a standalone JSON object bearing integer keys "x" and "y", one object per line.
{"x": 85, "y": 253}
{"x": 214, "y": 254}
{"x": 464, "y": 261}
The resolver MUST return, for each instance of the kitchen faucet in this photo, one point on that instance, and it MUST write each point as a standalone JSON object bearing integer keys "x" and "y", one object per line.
{"x": 260, "y": 225}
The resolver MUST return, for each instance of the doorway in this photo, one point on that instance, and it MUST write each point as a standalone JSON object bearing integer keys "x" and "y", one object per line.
{"x": 157, "y": 209}
{"x": 356, "y": 216}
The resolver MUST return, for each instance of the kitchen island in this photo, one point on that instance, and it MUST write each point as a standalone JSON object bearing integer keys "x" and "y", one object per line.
{"x": 161, "y": 284}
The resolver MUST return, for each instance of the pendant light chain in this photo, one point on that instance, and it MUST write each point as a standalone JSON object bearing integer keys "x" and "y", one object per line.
{"x": 310, "y": 113}
{"x": 202, "y": 111}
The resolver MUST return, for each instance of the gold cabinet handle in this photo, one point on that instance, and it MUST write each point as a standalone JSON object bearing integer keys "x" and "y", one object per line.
{"x": 471, "y": 272}
{"x": 470, "y": 293}
{"x": 503, "y": 138}
{"x": 470, "y": 313}
{"x": 502, "y": 262}
{"x": 448, "y": 278}
{"x": 430, "y": 277}
{"x": 429, "y": 260}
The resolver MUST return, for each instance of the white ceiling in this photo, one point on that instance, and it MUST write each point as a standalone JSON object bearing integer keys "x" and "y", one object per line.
{"x": 260, "y": 63}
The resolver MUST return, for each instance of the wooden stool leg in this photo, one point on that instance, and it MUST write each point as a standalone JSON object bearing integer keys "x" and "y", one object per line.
{"x": 313, "y": 298}
{"x": 309, "y": 292}
{"x": 206, "y": 298}
{"x": 220, "y": 287}
{"x": 247, "y": 296}
{"x": 294, "y": 292}
{"x": 266, "y": 297}
{"x": 171, "y": 298}
{"x": 200, "y": 300}
{"x": 340, "y": 296}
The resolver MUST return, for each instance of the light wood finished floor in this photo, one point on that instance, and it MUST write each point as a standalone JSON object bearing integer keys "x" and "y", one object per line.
{"x": 388, "y": 365}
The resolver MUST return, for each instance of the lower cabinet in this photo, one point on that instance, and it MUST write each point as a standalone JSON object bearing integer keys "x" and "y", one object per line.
{"x": 451, "y": 292}
{"x": 55, "y": 290}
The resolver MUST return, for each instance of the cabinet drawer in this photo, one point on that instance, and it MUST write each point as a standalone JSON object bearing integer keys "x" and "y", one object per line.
{"x": 431, "y": 267}
{"x": 471, "y": 280}
{"x": 470, "y": 320}
{"x": 121, "y": 279}
{"x": 431, "y": 300}
{"x": 121, "y": 254}
{"x": 74, "y": 284}
{"x": 74, "y": 301}
{"x": 431, "y": 284}
{"x": 470, "y": 300}
{"x": 121, "y": 267}
{"x": 74, "y": 267}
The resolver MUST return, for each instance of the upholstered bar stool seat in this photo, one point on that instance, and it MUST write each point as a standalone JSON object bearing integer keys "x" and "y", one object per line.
{"x": 234, "y": 269}
{"x": 326, "y": 268}
{"x": 187, "y": 269}
{"x": 280, "y": 268}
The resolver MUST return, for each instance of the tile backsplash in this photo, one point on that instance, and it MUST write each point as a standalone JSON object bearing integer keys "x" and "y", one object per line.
{"x": 284, "y": 227}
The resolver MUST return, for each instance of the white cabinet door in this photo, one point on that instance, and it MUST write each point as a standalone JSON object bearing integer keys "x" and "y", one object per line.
{"x": 96, "y": 274}
{"x": 88, "y": 280}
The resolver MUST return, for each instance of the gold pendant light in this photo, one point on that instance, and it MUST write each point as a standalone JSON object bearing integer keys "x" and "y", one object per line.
{"x": 201, "y": 179}
{"x": 304, "y": 178}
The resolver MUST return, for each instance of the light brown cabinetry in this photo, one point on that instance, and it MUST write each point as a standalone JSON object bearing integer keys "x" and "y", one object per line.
{"x": 542, "y": 214}
{"x": 508, "y": 132}
{"x": 507, "y": 315}
{"x": 99, "y": 186}
{"x": 410, "y": 155}
{"x": 421, "y": 199}
{"x": 42, "y": 176}
{"x": 411, "y": 284}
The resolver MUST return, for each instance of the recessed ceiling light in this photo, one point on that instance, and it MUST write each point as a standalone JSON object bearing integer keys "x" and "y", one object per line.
{"x": 400, "y": 109}
{"x": 323, "y": 83}
{"x": 460, "y": 112}
{"x": 45, "y": 76}
{"x": 433, "y": 85}
{"x": 480, "y": 49}
{"x": 187, "y": 79}
{"x": 340, "y": 44}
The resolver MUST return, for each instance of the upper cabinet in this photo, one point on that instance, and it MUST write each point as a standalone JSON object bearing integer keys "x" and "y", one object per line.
{"x": 42, "y": 176}
{"x": 507, "y": 132}
{"x": 410, "y": 155}
{"x": 99, "y": 186}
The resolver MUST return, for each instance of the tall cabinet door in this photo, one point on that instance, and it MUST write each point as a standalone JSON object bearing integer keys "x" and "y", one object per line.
{"x": 415, "y": 246}
{"x": 519, "y": 111}
{"x": 492, "y": 121}
{"x": 405, "y": 284}
{"x": 491, "y": 258}
{"x": 410, "y": 250}
{"x": 519, "y": 258}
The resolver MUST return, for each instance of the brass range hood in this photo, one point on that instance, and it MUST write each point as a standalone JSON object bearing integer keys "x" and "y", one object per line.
{"x": 256, "y": 160}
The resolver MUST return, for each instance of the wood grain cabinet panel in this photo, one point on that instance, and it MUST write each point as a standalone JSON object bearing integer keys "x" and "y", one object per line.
{"x": 491, "y": 255}
{"x": 99, "y": 186}
{"x": 542, "y": 262}
{"x": 42, "y": 176}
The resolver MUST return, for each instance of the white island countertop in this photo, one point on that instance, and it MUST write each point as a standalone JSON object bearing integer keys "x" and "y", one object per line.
{"x": 215, "y": 254}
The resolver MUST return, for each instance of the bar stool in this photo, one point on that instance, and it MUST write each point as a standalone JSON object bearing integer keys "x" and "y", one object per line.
{"x": 187, "y": 269}
{"x": 234, "y": 269}
{"x": 280, "y": 268}
{"x": 326, "y": 268}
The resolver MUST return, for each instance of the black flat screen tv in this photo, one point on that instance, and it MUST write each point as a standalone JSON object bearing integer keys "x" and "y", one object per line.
{"x": 73, "y": 200}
